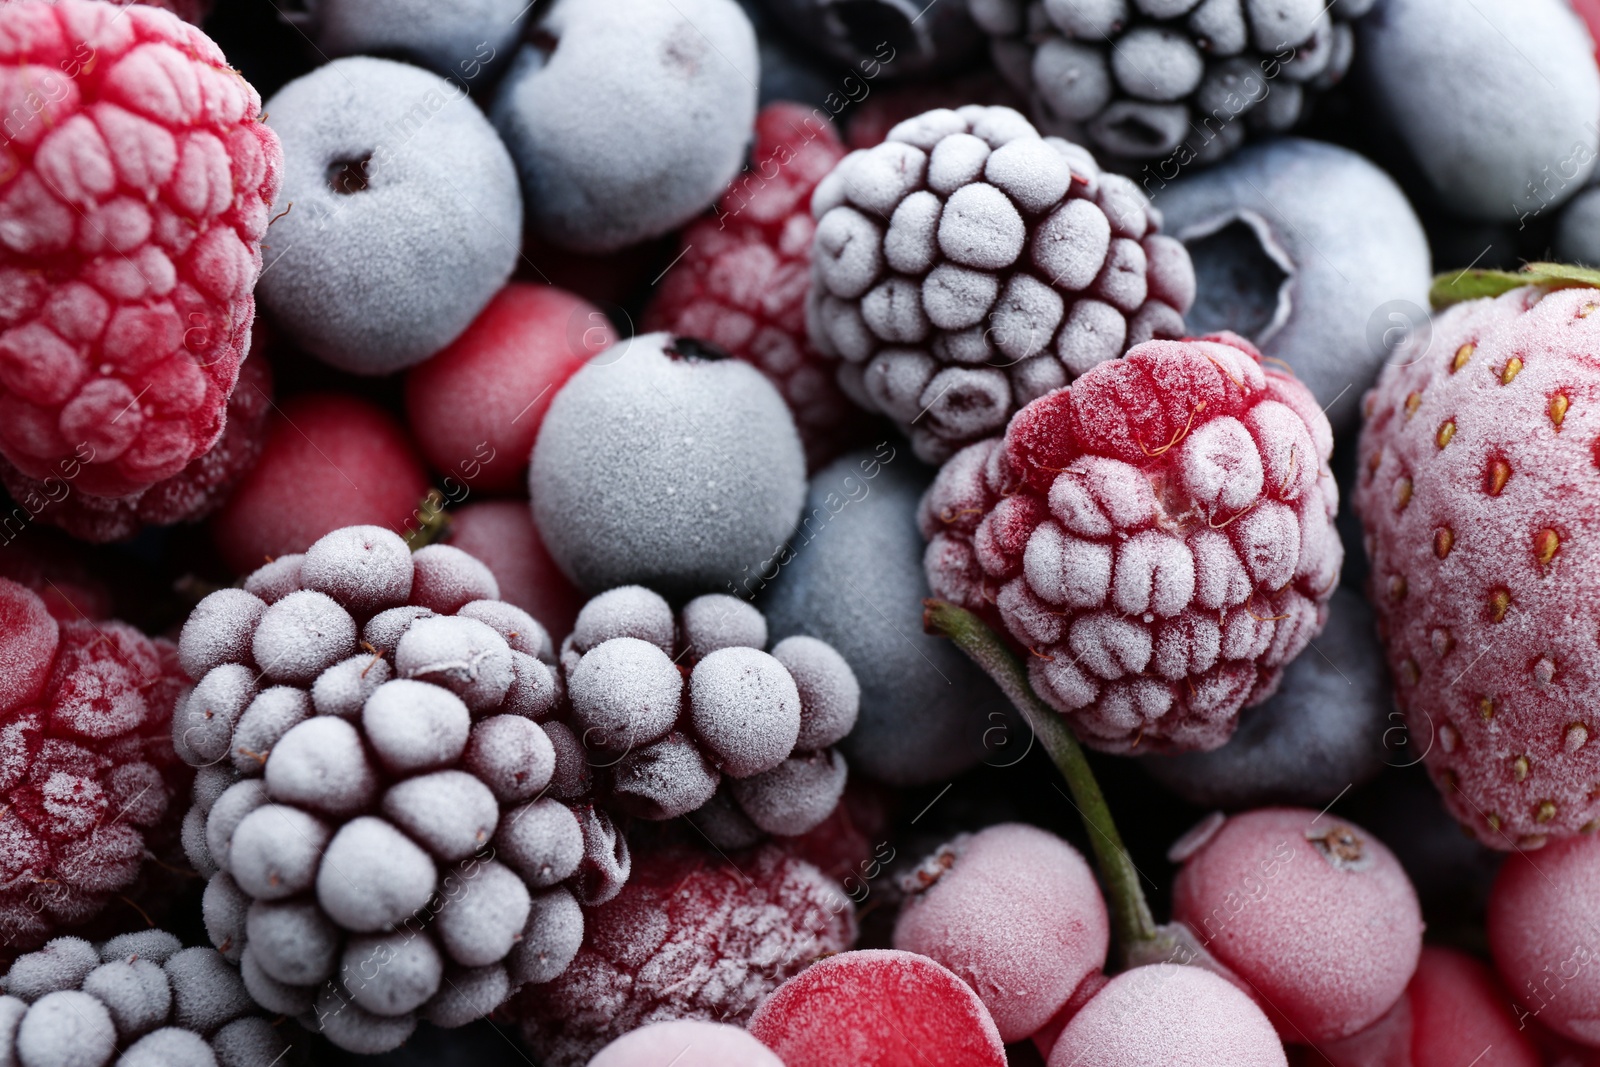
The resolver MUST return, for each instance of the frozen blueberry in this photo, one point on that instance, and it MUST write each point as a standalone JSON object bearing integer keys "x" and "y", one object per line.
{"x": 1312, "y": 253}
{"x": 459, "y": 39}
{"x": 628, "y": 117}
{"x": 881, "y": 38}
{"x": 746, "y": 710}
{"x": 1496, "y": 109}
{"x": 462, "y": 655}
{"x": 853, "y": 578}
{"x": 406, "y": 216}
{"x": 627, "y": 611}
{"x": 1321, "y": 732}
{"x": 660, "y": 466}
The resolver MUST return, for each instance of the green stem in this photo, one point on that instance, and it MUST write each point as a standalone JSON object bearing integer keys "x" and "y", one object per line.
{"x": 1130, "y": 913}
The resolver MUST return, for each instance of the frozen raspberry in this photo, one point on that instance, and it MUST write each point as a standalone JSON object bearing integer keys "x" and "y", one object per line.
{"x": 88, "y": 778}
{"x": 1014, "y": 911}
{"x": 1479, "y": 514}
{"x": 188, "y": 496}
{"x": 1170, "y": 78}
{"x": 1314, "y": 914}
{"x": 1542, "y": 931}
{"x": 741, "y": 284}
{"x": 371, "y": 818}
{"x": 877, "y": 1008}
{"x": 476, "y": 407}
{"x": 692, "y": 936}
{"x": 670, "y": 713}
{"x": 501, "y": 534}
{"x": 968, "y": 265}
{"x": 714, "y": 1045}
{"x": 1452, "y": 1011}
{"x": 1168, "y": 1015}
{"x": 663, "y": 462}
{"x": 330, "y": 460}
{"x": 1203, "y": 475}
{"x": 142, "y": 998}
{"x": 139, "y": 182}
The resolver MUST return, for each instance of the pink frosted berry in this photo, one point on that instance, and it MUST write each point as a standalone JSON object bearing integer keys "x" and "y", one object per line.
{"x": 139, "y": 179}
{"x": 1167, "y": 1015}
{"x": 1015, "y": 912}
{"x": 877, "y": 1008}
{"x": 1542, "y": 929}
{"x": 1159, "y": 534}
{"x": 501, "y": 534}
{"x": 712, "y": 1044}
{"x": 1314, "y": 914}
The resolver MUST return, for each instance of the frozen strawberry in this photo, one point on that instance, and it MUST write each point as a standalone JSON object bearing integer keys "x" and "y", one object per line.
{"x": 742, "y": 280}
{"x": 691, "y": 936}
{"x": 138, "y": 183}
{"x": 1479, "y": 494}
{"x": 330, "y": 460}
{"x": 188, "y": 496}
{"x": 1159, "y": 535}
{"x": 877, "y": 1008}
{"x": 501, "y": 533}
{"x": 475, "y": 408}
{"x": 88, "y": 776}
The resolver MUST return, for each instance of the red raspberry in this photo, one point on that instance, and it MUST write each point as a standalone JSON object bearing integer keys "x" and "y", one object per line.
{"x": 1159, "y": 535}
{"x": 188, "y": 496}
{"x": 1479, "y": 496}
{"x": 135, "y": 182}
{"x": 690, "y": 936}
{"x": 742, "y": 281}
{"x": 87, "y": 768}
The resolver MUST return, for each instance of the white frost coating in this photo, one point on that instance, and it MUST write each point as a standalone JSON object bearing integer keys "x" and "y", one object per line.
{"x": 275, "y": 851}
{"x": 956, "y": 160}
{"x": 134, "y": 991}
{"x": 1289, "y": 460}
{"x": 1188, "y": 645}
{"x": 219, "y": 630}
{"x": 1033, "y": 174}
{"x": 232, "y": 806}
{"x": 927, "y": 129}
{"x": 365, "y": 568}
{"x": 472, "y": 993}
{"x": 373, "y": 876}
{"x": 206, "y": 990}
{"x": 1136, "y": 702}
{"x": 1062, "y": 683}
{"x": 745, "y": 708}
{"x": 355, "y": 1029}
{"x": 321, "y": 764}
{"x": 1109, "y": 645}
{"x": 895, "y": 379}
{"x": 446, "y": 579}
{"x": 170, "y": 1046}
{"x": 460, "y": 654}
{"x": 550, "y": 940}
{"x": 981, "y": 228}
{"x": 967, "y": 401}
{"x": 202, "y": 723}
{"x": 956, "y": 297}
{"x": 1094, "y": 332}
{"x": 1220, "y": 579}
{"x": 911, "y": 243}
{"x": 1029, "y": 619}
{"x": 541, "y": 841}
{"x": 1064, "y": 569}
{"x": 625, "y": 692}
{"x": 1155, "y": 573}
{"x": 1071, "y": 244}
{"x": 276, "y": 580}
{"x": 1220, "y": 466}
{"x": 848, "y": 253}
{"x": 522, "y": 631}
{"x": 482, "y": 919}
{"x": 68, "y": 1028}
{"x": 516, "y": 758}
{"x": 893, "y": 311}
{"x": 533, "y": 688}
{"x": 794, "y": 796}
{"x": 250, "y": 1041}
{"x": 343, "y": 688}
{"x": 223, "y": 906}
{"x": 450, "y": 813}
{"x": 62, "y": 964}
{"x": 301, "y": 636}
{"x": 158, "y": 946}
{"x": 883, "y": 175}
{"x": 414, "y": 726}
{"x": 1025, "y": 319}
{"x": 273, "y": 713}
{"x": 1268, "y": 539}
{"x": 292, "y": 941}
{"x": 830, "y": 696}
{"x": 1121, "y": 489}
{"x": 391, "y": 974}
{"x": 627, "y": 611}
{"x": 267, "y": 991}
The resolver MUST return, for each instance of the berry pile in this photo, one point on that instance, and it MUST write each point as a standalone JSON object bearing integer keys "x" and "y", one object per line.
{"x": 388, "y": 829}
{"x": 142, "y": 998}
{"x": 1159, "y": 535}
{"x": 89, "y": 783}
{"x": 680, "y": 713}
{"x": 138, "y": 183}
{"x": 967, "y": 265}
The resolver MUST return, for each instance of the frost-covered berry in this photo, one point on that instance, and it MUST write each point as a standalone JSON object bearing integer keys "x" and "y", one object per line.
{"x": 501, "y": 534}
{"x": 1014, "y": 912}
{"x": 89, "y": 781}
{"x": 626, "y": 118}
{"x": 662, "y": 463}
{"x": 373, "y": 823}
{"x": 1174, "y": 81}
{"x": 968, "y": 265}
{"x": 1541, "y": 929}
{"x": 715, "y": 1044}
{"x": 877, "y": 1008}
{"x": 690, "y": 937}
{"x": 1313, "y": 913}
{"x": 458, "y": 40}
{"x": 396, "y": 242}
{"x": 139, "y": 1000}
{"x": 669, "y": 709}
{"x": 1159, "y": 534}
{"x": 138, "y": 184}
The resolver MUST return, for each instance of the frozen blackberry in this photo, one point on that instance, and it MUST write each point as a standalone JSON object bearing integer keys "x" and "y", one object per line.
{"x": 673, "y": 712}
{"x": 141, "y": 999}
{"x": 1179, "y": 81}
{"x": 371, "y": 809}
{"x": 89, "y": 783}
{"x": 968, "y": 265}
